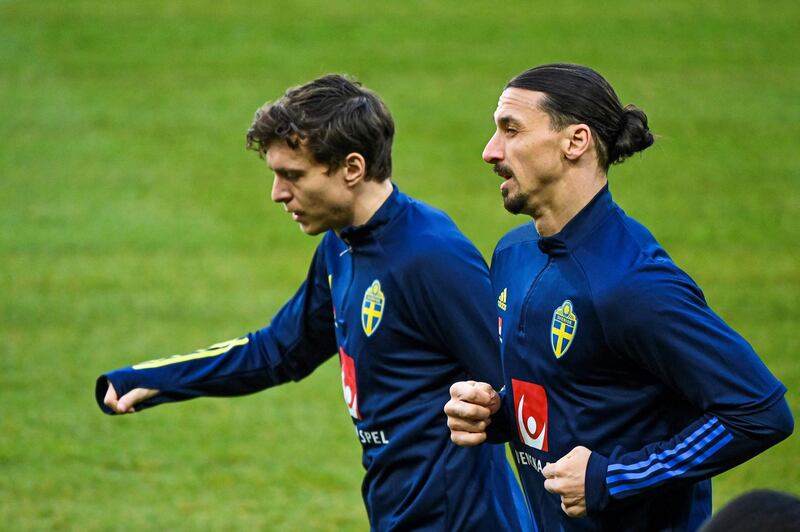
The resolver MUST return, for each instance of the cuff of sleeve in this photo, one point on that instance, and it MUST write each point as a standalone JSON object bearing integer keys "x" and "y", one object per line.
{"x": 100, "y": 389}
{"x": 499, "y": 430}
{"x": 124, "y": 382}
{"x": 597, "y": 496}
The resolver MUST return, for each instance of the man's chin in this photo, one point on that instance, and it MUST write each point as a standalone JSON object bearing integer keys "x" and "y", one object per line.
{"x": 513, "y": 204}
{"x": 310, "y": 230}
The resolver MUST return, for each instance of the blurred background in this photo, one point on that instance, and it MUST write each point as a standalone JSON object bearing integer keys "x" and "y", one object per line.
{"x": 134, "y": 224}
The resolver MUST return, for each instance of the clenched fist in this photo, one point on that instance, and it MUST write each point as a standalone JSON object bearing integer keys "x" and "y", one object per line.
{"x": 567, "y": 478}
{"x": 469, "y": 411}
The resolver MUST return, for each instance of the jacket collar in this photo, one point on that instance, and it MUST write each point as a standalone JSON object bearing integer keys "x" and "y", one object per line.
{"x": 580, "y": 226}
{"x": 357, "y": 234}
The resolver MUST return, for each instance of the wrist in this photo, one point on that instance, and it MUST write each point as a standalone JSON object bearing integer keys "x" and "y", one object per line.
{"x": 597, "y": 496}
{"x": 499, "y": 430}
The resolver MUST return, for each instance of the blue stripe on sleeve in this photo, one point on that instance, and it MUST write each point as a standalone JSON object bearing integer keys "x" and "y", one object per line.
{"x": 685, "y": 443}
{"x": 669, "y": 474}
{"x": 689, "y": 454}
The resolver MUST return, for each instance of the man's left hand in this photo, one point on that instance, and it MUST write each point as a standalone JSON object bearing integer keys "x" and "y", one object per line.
{"x": 567, "y": 477}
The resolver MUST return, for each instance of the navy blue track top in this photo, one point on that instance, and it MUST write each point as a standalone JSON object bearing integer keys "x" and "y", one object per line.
{"x": 606, "y": 343}
{"x": 405, "y": 301}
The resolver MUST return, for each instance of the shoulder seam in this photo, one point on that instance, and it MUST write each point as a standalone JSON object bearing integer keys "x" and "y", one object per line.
{"x": 577, "y": 261}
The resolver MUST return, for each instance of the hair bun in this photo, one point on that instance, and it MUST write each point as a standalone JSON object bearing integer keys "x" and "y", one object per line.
{"x": 634, "y": 135}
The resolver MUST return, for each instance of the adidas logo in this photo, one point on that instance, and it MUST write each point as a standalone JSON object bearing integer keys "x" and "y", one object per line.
{"x": 502, "y": 299}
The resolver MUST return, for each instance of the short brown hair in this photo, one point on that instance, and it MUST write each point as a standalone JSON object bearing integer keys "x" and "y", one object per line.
{"x": 333, "y": 116}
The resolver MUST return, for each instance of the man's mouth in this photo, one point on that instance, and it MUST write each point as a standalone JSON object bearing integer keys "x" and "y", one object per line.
{"x": 296, "y": 215}
{"x": 503, "y": 171}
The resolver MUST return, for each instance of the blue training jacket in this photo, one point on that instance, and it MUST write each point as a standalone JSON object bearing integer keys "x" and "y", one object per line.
{"x": 607, "y": 344}
{"x": 406, "y": 302}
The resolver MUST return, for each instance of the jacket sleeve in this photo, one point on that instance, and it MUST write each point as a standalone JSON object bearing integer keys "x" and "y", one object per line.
{"x": 501, "y": 430}
{"x": 451, "y": 295}
{"x": 660, "y": 321}
{"x": 300, "y": 337}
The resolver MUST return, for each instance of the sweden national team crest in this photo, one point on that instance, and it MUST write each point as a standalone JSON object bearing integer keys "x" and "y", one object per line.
{"x": 563, "y": 328}
{"x": 372, "y": 308}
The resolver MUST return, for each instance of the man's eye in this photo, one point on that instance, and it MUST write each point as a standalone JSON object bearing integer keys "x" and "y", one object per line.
{"x": 291, "y": 176}
{"x": 510, "y": 131}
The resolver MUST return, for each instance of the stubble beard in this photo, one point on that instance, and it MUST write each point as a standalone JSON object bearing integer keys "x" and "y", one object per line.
{"x": 514, "y": 202}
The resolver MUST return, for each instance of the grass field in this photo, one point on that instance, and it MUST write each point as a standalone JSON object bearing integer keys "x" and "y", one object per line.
{"x": 133, "y": 223}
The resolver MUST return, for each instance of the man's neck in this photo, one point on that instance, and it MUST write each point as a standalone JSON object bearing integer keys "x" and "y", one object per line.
{"x": 369, "y": 199}
{"x": 566, "y": 199}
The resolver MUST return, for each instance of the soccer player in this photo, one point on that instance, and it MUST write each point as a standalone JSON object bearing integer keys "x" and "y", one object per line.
{"x": 394, "y": 289}
{"x": 624, "y": 392}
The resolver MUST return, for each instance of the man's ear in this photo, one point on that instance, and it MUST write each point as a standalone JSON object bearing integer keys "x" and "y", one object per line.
{"x": 355, "y": 169}
{"x": 576, "y": 141}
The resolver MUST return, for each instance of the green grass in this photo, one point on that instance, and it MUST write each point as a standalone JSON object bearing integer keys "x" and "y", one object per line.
{"x": 134, "y": 224}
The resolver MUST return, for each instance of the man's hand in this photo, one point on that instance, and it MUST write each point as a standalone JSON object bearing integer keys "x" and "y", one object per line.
{"x": 567, "y": 478}
{"x": 469, "y": 411}
{"x": 125, "y": 404}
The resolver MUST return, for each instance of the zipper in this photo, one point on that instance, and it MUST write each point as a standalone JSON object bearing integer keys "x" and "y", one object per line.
{"x": 523, "y": 319}
{"x": 345, "y": 296}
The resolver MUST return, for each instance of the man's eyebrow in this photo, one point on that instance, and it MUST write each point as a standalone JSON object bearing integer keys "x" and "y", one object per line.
{"x": 282, "y": 170}
{"x": 507, "y": 120}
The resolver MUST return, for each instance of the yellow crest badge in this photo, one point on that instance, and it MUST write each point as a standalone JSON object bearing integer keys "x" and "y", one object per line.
{"x": 563, "y": 327}
{"x": 372, "y": 308}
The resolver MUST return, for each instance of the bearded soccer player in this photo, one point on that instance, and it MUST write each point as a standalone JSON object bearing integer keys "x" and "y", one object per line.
{"x": 624, "y": 392}
{"x": 394, "y": 289}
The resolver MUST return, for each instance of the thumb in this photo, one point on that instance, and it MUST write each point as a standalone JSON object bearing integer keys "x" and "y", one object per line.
{"x": 137, "y": 395}
{"x": 494, "y": 399}
{"x": 481, "y": 393}
{"x": 110, "y": 400}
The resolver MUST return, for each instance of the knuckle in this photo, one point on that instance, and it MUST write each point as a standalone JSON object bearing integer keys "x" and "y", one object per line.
{"x": 460, "y": 438}
{"x": 456, "y": 391}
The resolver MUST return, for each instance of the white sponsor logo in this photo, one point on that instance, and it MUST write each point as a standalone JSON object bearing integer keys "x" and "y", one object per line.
{"x": 527, "y": 460}
{"x": 372, "y": 437}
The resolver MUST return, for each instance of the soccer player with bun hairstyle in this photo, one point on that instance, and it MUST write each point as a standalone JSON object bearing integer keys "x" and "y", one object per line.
{"x": 623, "y": 391}
{"x": 577, "y": 95}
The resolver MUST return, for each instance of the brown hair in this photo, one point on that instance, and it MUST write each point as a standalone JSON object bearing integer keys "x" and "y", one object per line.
{"x": 333, "y": 116}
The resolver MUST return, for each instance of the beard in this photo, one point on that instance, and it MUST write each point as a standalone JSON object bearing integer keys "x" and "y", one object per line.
{"x": 514, "y": 202}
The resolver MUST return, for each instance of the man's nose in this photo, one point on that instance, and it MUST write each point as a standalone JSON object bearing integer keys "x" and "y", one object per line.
{"x": 280, "y": 193}
{"x": 493, "y": 152}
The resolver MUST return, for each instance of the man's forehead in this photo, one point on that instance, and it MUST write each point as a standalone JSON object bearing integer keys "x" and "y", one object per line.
{"x": 515, "y": 102}
{"x": 281, "y": 155}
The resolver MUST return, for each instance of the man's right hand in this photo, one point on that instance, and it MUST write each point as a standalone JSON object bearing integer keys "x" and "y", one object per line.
{"x": 125, "y": 404}
{"x": 469, "y": 411}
